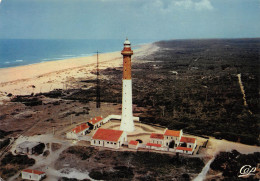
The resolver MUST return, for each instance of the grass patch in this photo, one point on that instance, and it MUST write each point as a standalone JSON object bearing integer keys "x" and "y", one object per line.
{"x": 80, "y": 151}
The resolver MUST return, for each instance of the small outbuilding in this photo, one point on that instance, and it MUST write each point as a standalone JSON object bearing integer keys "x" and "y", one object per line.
{"x": 133, "y": 144}
{"x": 30, "y": 148}
{"x": 188, "y": 142}
{"x": 187, "y": 145}
{"x": 184, "y": 150}
{"x": 109, "y": 138}
{"x": 30, "y": 174}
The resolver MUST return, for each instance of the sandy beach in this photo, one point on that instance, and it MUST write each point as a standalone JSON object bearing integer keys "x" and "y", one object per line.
{"x": 46, "y": 76}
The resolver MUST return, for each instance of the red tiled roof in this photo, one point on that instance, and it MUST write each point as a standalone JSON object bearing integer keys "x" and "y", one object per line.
{"x": 132, "y": 142}
{"x": 33, "y": 171}
{"x": 95, "y": 120}
{"x": 153, "y": 144}
{"x": 172, "y": 133}
{"x": 188, "y": 140}
{"x": 157, "y": 136}
{"x": 107, "y": 134}
{"x": 80, "y": 128}
{"x": 184, "y": 148}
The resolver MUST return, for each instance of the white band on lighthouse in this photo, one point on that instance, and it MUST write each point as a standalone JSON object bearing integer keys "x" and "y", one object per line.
{"x": 127, "y": 123}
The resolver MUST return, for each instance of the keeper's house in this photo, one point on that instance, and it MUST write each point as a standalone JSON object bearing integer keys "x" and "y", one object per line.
{"x": 30, "y": 174}
{"x": 82, "y": 129}
{"x": 109, "y": 138}
{"x": 172, "y": 138}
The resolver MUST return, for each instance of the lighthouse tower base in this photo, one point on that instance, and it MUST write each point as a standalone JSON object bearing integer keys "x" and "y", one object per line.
{"x": 127, "y": 122}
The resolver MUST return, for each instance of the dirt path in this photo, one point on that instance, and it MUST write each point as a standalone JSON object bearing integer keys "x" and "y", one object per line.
{"x": 243, "y": 91}
{"x": 215, "y": 146}
{"x": 204, "y": 171}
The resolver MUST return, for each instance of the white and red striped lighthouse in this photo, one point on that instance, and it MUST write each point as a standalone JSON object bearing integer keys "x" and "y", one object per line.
{"x": 127, "y": 122}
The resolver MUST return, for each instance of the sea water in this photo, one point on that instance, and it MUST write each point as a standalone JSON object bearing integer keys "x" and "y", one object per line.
{"x": 17, "y": 52}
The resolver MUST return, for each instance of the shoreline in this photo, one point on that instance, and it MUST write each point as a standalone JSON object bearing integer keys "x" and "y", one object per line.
{"x": 76, "y": 61}
{"x": 57, "y": 74}
{"x": 71, "y": 49}
{"x": 137, "y": 49}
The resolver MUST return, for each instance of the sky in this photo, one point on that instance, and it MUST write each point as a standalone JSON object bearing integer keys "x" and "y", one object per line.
{"x": 136, "y": 19}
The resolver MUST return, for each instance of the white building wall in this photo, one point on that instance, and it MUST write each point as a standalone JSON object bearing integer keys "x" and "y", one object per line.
{"x": 26, "y": 150}
{"x": 168, "y": 139}
{"x": 103, "y": 143}
{"x": 133, "y": 146}
{"x": 26, "y": 175}
{"x": 127, "y": 122}
{"x": 32, "y": 176}
{"x": 123, "y": 137}
{"x": 98, "y": 124}
{"x": 105, "y": 120}
{"x": 110, "y": 144}
{"x": 118, "y": 117}
{"x": 97, "y": 142}
{"x": 164, "y": 149}
{"x": 156, "y": 141}
{"x": 142, "y": 145}
{"x": 172, "y": 149}
{"x": 190, "y": 145}
{"x": 84, "y": 132}
{"x": 35, "y": 177}
{"x": 185, "y": 152}
{"x": 154, "y": 148}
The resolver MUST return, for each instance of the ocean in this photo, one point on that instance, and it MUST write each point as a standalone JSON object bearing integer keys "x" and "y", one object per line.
{"x": 18, "y": 52}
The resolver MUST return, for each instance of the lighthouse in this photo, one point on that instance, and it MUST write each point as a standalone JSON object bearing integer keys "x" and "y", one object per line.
{"x": 127, "y": 122}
